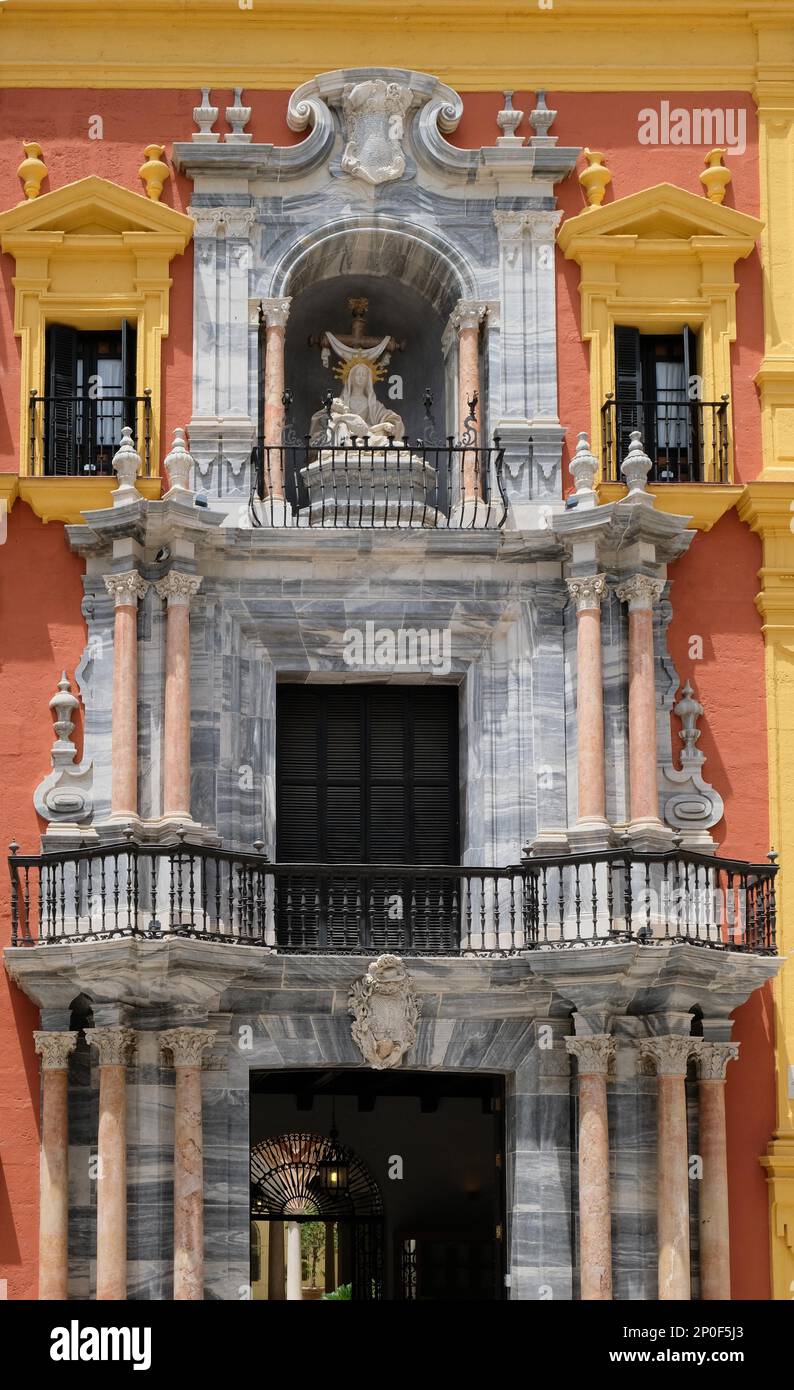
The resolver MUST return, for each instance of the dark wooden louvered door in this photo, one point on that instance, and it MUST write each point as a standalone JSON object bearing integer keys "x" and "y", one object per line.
{"x": 367, "y": 775}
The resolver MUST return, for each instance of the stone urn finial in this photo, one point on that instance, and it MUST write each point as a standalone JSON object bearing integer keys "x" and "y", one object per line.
{"x": 205, "y": 115}
{"x": 32, "y": 171}
{"x": 127, "y": 464}
{"x": 541, "y": 119}
{"x": 596, "y": 178}
{"x": 508, "y": 121}
{"x": 715, "y": 177}
{"x": 584, "y": 466}
{"x": 635, "y": 469}
{"x": 154, "y": 172}
{"x": 178, "y": 464}
{"x": 238, "y": 117}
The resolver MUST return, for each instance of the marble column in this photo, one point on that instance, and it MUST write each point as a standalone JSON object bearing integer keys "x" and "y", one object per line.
{"x": 588, "y": 593}
{"x": 276, "y": 312}
{"x": 467, "y": 317}
{"x": 593, "y": 1056}
{"x": 715, "y": 1246}
{"x": 670, "y": 1055}
{"x": 641, "y": 592}
{"x": 187, "y": 1045}
{"x": 294, "y": 1270}
{"x": 177, "y": 589}
{"x": 125, "y": 589}
{"x": 54, "y": 1050}
{"x": 275, "y": 1261}
{"x": 113, "y": 1046}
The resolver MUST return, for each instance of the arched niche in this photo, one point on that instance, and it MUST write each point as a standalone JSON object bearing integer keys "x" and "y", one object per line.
{"x": 394, "y": 308}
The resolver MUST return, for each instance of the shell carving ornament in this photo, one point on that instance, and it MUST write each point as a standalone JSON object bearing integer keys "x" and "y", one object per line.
{"x": 385, "y": 1010}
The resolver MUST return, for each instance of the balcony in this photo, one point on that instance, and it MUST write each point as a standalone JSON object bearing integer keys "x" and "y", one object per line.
{"x": 687, "y": 440}
{"x": 77, "y": 436}
{"x": 456, "y": 486}
{"x": 572, "y": 901}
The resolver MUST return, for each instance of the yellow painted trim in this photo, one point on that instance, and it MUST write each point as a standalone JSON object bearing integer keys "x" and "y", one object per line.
{"x": 65, "y": 499}
{"x": 582, "y": 45}
{"x": 704, "y": 503}
{"x": 659, "y": 260}
{"x": 768, "y": 508}
{"x": 91, "y": 254}
{"x": 9, "y": 490}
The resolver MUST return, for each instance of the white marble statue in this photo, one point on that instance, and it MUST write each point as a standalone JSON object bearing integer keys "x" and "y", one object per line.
{"x": 357, "y": 416}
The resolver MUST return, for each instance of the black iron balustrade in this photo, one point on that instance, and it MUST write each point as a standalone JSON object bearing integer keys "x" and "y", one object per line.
{"x": 77, "y": 436}
{"x": 686, "y": 440}
{"x": 144, "y": 891}
{"x": 456, "y": 485}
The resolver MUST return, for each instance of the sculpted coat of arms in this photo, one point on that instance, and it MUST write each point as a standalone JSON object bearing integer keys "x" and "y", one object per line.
{"x": 385, "y": 1009}
{"x": 375, "y": 121}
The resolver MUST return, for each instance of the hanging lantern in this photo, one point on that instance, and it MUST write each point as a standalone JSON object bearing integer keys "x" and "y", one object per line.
{"x": 333, "y": 1169}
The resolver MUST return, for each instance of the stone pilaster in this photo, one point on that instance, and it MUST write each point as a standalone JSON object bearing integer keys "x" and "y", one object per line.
{"x": 641, "y": 592}
{"x": 54, "y": 1050}
{"x": 593, "y": 1055}
{"x": 670, "y": 1055}
{"x": 126, "y": 590}
{"x": 114, "y": 1046}
{"x": 187, "y": 1045}
{"x": 177, "y": 589}
{"x": 592, "y": 829}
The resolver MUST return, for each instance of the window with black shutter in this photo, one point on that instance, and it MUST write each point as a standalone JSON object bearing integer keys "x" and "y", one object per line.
{"x": 366, "y": 775}
{"x": 654, "y": 394}
{"x": 90, "y": 394}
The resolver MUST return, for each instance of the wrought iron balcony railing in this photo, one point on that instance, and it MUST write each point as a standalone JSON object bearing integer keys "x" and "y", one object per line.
{"x": 150, "y": 892}
{"x": 687, "y": 441}
{"x": 77, "y": 436}
{"x": 417, "y": 485}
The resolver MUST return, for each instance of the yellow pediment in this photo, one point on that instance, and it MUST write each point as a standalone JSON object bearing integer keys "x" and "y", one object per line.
{"x": 94, "y": 206}
{"x": 663, "y": 212}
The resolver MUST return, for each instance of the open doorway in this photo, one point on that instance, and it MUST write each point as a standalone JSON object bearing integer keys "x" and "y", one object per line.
{"x": 370, "y": 1185}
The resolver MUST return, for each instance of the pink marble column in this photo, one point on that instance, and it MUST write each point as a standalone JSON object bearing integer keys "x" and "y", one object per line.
{"x": 641, "y": 592}
{"x": 467, "y": 317}
{"x": 177, "y": 589}
{"x": 54, "y": 1050}
{"x": 113, "y": 1045}
{"x": 715, "y": 1244}
{"x": 670, "y": 1055}
{"x": 588, "y": 593}
{"x": 593, "y": 1055}
{"x": 276, "y": 312}
{"x": 126, "y": 589}
{"x": 187, "y": 1045}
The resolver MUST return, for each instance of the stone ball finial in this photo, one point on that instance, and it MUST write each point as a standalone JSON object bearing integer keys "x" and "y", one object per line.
{"x": 126, "y": 464}
{"x": 715, "y": 177}
{"x": 635, "y": 469}
{"x": 584, "y": 466}
{"x": 154, "y": 172}
{"x": 32, "y": 171}
{"x": 596, "y": 178}
{"x": 178, "y": 463}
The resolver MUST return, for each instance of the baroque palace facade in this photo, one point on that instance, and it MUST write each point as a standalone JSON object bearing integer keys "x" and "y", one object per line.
{"x": 396, "y": 483}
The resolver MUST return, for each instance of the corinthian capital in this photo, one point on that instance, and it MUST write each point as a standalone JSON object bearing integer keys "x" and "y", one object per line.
{"x": 54, "y": 1049}
{"x": 468, "y": 313}
{"x": 126, "y": 588}
{"x": 113, "y": 1045}
{"x": 713, "y": 1059}
{"x": 177, "y": 587}
{"x": 593, "y": 1054}
{"x": 640, "y": 591}
{"x": 588, "y": 591}
{"x": 238, "y": 221}
{"x": 187, "y": 1044}
{"x": 276, "y": 312}
{"x": 670, "y": 1053}
{"x": 207, "y": 221}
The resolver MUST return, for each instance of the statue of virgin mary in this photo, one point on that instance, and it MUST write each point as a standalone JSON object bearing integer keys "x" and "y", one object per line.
{"x": 359, "y": 400}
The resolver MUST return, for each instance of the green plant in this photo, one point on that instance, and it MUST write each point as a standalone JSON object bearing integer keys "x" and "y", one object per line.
{"x": 344, "y": 1291}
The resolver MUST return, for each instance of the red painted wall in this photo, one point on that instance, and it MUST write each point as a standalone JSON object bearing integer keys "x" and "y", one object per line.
{"x": 713, "y": 589}
{"x": 41, "y": 633}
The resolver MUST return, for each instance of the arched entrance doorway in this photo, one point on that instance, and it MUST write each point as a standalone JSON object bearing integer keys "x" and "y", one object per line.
{"x": 312, "y": 1181}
